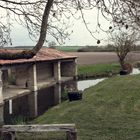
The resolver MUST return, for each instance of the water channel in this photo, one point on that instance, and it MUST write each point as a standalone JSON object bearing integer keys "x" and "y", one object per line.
{"x": 45, "y": 98}
{"x": 83, "y": 84}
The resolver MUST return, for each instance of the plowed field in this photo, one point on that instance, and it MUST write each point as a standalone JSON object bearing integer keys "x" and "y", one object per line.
{"x": 102, "y": 57}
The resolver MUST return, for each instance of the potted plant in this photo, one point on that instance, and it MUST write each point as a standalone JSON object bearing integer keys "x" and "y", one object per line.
{"x": 74, "y": 95}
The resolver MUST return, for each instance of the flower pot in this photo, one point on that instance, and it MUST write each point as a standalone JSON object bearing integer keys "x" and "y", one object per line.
{"x": 74, "y": 95}
{"x": 123, "y": 72}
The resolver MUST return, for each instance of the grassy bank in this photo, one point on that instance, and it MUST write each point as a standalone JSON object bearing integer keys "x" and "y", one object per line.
{"x": 98, "y": 70}
{"x": 108, "y": 111}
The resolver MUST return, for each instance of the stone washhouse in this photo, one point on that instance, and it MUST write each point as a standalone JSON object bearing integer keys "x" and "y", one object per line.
{"x": 30, "y": 86}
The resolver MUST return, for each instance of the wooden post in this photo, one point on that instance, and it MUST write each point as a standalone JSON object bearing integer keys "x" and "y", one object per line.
{"x": 8, "y": 136}
{"x": 9, "y": 131}
{"x": 71, "y": 135}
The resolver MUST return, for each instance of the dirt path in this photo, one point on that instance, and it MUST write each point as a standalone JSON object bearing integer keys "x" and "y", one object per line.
{"x": 102, "y": 57}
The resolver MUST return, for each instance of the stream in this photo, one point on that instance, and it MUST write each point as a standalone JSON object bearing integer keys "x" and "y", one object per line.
{"x": 83, "y": 84}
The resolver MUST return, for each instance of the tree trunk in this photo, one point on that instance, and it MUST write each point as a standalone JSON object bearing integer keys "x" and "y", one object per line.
{"x": 26, "y": 54}
{"x": 122, "y": 64}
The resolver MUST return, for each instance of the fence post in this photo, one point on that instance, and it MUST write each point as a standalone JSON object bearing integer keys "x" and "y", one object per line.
{"x": 71, "y": 135}
{"x": 8, "y": 136}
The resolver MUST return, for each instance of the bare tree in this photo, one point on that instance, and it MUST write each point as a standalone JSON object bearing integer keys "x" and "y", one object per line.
{"x": 41, "y": 17}
{"x": 52, "y": 44}
{"x": 123, "y": 42}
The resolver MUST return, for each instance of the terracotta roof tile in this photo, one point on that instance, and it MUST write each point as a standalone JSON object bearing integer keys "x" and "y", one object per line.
{"x": 45, "y": 54}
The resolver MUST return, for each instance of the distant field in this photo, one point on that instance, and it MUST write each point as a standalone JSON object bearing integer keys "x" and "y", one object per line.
{"x": 81, "y": 48}
{"x": 69, "y": 48}
{"x": 89, "y": 48}
{"x": 96, "y": 57}
{"x": 102, "y": 57}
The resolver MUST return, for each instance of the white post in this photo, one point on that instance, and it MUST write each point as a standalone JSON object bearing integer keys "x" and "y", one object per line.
{"x": 10, "y": 107}
{"x": 32, "y": 85}
{"x": 57, "y": 87}
{"x": 34, "y": 78}
{"x": 57, "y": 71}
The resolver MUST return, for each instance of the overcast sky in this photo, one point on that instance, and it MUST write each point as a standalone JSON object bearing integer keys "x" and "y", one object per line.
{"x": 80, "y": 34}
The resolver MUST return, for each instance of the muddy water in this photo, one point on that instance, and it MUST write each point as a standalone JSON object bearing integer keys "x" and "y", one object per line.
{"x": 135, "y": 71}
{"x": 81, "y": 85}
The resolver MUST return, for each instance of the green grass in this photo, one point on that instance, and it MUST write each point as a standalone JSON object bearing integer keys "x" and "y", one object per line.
{"x": 98, "y": 68}
{"x": 108, "y": 111}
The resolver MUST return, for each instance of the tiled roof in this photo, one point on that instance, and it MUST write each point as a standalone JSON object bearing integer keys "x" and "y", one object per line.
{"x": 45, "y": 54}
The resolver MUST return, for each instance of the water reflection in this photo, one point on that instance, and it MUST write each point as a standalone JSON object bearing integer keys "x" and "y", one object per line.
{"x": 24, "y": 106}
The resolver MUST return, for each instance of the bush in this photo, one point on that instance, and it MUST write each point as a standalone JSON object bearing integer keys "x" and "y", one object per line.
{"x": 64, "y": 95}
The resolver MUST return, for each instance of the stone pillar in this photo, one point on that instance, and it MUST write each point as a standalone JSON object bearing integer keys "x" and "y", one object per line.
{"x": 57, "y": 87}
{"x": 69, "y": 68}
{"x": 5, "y": 78}
{"x": 32, "y": 78}
{"x": 57, "y": 71}
{"x": 1, "y": 101}
{"x": 75, "y": 68}
{"x": 32, "y": 98}
{"x": 57, "y": 94}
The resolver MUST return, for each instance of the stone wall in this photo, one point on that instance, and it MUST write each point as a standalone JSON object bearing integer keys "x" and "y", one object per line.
{"x": 44, "y": 71}
{"x": 27, "y": 75}
{"x": 68, "y": 69}
{"x": 5, "y": 78}
{"x": 21, "y": 74}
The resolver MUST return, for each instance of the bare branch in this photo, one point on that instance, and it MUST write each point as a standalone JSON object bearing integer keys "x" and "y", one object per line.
{"x": 30, "y": 53}
{"x": 57, "y": 14}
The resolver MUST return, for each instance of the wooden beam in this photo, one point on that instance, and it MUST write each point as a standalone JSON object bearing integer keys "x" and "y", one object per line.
{"x": 9, "y": 131}
{"x": 39, "y": 128}
{"x": 8, "y": 136}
